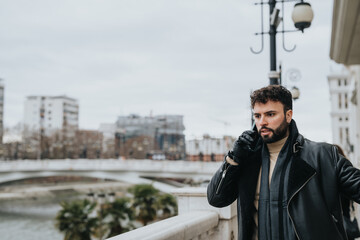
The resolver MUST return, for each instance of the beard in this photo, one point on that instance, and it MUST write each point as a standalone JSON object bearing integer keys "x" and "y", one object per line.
{"x": 278, "y": 134}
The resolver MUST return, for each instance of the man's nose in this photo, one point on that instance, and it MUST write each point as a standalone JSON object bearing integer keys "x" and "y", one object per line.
{"x": 262, "y": 121}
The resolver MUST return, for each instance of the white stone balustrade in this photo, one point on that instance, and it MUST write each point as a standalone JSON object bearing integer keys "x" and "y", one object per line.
{"x": 196, "y": 220}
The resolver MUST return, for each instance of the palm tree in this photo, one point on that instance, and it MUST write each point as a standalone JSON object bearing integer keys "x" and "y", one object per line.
{"x": 168, "y": 205}
{"x": 118, "y": 216}
{"x": 75, "y": 221}
{"x": 145, "y": 202}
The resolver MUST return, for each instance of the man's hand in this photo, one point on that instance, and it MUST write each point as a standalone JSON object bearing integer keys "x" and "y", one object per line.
{"x": 244, "y": 146}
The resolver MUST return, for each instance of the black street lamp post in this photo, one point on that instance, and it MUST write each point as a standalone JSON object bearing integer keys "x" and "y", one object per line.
{"x": 273, "y": 76}
{"x": 302, "y": 16}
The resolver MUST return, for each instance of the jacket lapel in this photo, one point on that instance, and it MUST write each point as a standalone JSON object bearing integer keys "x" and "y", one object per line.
{"x": 300, "y": 173}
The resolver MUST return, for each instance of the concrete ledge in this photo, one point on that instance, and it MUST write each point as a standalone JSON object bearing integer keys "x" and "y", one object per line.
{"x": 182, "y": 227}
{"x": 196, "y": 220}
{"x": 193, "y": 199}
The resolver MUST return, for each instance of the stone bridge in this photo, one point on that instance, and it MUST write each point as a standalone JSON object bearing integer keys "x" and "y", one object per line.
{"x": 130, "y": 171}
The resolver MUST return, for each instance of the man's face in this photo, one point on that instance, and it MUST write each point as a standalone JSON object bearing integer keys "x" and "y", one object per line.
{"x": 271, "y": 121}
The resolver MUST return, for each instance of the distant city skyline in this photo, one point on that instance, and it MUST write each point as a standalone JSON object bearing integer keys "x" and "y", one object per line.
{"x": 159, "y": 57}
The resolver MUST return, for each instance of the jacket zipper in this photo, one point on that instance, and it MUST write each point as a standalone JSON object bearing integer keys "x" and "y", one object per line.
{"x": 222, "y": 179}
{"x": 334, "y": 218}
{"x": 292, "y": 198}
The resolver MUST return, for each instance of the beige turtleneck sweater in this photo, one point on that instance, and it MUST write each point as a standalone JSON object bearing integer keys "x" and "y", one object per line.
{"x": 274, "y": 150}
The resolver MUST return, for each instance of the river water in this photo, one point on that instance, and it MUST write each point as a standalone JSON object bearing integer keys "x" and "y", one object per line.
{"x": 31, "y": 220}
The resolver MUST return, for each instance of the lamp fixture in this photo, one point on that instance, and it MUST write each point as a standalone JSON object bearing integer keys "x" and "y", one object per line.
{"x": 302, "y": 15}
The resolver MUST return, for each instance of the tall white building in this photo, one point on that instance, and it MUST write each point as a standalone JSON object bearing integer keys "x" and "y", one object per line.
{"x": 343, "y": 112}
{"x": 49, "y": 113}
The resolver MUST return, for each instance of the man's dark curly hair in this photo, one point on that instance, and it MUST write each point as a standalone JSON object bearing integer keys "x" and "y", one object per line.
{"x": 274, "y": 93}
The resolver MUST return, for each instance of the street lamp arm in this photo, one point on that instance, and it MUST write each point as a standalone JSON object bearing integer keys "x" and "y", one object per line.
{"x": 283, "y": 32}
{"x": 286, "y": 31}
{"x": 284, "y": 47}
{"x": 262, "y": 46}
{"x": 285, "y": 1}
{"x": 262, "y": 3}
{"x": 261, "y": 33}
{"x": 262, "y": 30}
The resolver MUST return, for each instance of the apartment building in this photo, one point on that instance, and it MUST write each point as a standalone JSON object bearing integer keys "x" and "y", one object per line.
{"x": 149, "y": 136}
{"x": 49, "y": 113}
{"x": 343, "y": 112}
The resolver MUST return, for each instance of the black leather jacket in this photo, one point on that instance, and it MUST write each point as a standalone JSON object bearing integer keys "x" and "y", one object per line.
{"x": 318, "y": 175}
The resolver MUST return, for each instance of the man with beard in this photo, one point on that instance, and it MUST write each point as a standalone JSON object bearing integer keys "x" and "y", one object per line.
{"x": 287, "y": 186}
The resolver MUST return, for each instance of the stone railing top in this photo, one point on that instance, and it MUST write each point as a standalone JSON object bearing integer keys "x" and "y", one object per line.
{"x": 190, "y": 191}
{"x": 196, "y": 220}
{"x": 186, "y": 226}
{"x": 195, "y": 198}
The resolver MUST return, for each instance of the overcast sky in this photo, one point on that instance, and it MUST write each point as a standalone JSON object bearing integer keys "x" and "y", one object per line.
{"x": 188, "y": 57}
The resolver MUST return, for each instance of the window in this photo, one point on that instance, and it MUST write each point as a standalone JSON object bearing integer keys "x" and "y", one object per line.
{"x": 340, "y": 100}
{"x": 339, "y": 82}
{"x": 340, "y": 135}
{"x": 346, "y": 100}
{"x": 340, "y": 119}
{"x": 345, "y": 82}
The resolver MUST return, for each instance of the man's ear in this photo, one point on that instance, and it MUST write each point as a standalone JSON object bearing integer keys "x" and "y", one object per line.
{"x": 288, "y": 115}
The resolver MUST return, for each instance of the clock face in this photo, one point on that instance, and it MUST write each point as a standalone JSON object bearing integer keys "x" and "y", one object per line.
{"x": 293, "y": 75}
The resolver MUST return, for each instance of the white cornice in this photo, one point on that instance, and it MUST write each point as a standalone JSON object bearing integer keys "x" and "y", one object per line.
{"x": 345, "y": 34}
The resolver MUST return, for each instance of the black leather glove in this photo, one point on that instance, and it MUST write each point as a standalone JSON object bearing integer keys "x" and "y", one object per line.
{"x": 245, "y": 146}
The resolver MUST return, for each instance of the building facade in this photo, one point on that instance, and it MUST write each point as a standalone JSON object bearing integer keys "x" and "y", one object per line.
{"x": 208, "y": 148}
{"x": 88, "y": 144}
{"x": 108, "y": 131}
{"x": 49, "y": 113}
{"x": 343, "y": 112}
{"x": 345, "y": 50}
{"x": 145, "y": 137}
{"x": 50, "y": 125}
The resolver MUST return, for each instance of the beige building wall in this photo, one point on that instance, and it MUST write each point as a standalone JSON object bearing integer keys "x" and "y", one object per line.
{"x": 345, "y": 49}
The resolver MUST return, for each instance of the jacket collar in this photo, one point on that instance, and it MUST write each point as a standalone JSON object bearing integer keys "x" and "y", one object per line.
{"x": 300, "y": 170}
{"x": 296, "y": 139}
